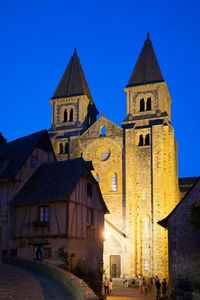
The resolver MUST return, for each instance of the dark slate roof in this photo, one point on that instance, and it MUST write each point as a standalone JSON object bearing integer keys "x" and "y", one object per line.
{"x": 73, "y": 81}
{"x": 164, "y": 222}
{"x": 2, "y": 139}
{"x": 54, "y": 181}
{"x": 186, "y": 182}
{"x": 147, "y": 69}
{"x": 15, "y": 153}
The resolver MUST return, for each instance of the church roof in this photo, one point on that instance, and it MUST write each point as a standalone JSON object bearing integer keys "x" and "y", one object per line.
{"x": 147, "y": 69}
{"x": 73, "y": 81}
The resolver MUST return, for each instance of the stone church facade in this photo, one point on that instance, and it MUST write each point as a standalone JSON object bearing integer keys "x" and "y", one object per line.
{"x": 135, "y": 165}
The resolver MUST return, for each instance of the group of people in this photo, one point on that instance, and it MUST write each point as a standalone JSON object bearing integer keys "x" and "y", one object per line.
{"x": 151, "y": 285}
{"x": 146, "y": 285}
{"x": 108, "y": 285}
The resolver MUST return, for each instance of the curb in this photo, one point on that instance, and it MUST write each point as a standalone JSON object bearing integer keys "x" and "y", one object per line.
{"x": 78, "y": 288}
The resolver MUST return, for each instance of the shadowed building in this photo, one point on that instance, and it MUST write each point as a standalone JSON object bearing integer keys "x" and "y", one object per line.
{"x": 61, "y": 207}
{"x": 135, "y": 165}
{"x": 183, "y": 225}
{"x": 19, "y": 159}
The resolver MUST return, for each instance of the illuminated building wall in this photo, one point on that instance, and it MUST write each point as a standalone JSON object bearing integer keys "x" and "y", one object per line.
{"x": 136, "y": 164}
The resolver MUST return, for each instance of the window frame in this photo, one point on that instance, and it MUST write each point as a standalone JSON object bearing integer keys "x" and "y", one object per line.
{"x": 33, "y": 161}
{"x": 44, "y": 216}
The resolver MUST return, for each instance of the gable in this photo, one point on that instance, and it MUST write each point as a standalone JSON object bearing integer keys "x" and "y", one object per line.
{"x": 95, "y": 130}
{"x": 191, "y": 197}
{"x": 14, "y": 154}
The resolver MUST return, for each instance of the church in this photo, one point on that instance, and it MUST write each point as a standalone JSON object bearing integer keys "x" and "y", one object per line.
{"x": 135, "y": 164}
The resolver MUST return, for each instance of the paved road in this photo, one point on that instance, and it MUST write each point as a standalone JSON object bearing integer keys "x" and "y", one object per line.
{"x": 20, "y": 284}
{"x": 120, "y": 293}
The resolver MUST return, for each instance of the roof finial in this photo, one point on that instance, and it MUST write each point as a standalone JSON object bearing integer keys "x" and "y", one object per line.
{"x": 148, "y": 36}
{"x": 75, "y": 50}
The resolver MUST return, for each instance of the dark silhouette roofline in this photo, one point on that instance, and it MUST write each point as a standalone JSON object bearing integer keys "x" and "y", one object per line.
{"x": 55, "y": 181}
{"x": 164, "y": 222}
{"x": 17, "y": 151}
{"x": 147, "y": 69}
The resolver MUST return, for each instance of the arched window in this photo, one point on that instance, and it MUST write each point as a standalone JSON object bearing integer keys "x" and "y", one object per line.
{"x": 147, "y": 139}
{"x": 103, "y": 131}
{"x": 66, "y": 148}
{"x": 71, "y": 115}
{"x": 142, "y": 104}
{"x": 141, "y": 141}
{"x": 61, "y": 148}
{"x": 114, "y": 182}
{"x": 148, "y": 104}
{"x": 65, "y": 116}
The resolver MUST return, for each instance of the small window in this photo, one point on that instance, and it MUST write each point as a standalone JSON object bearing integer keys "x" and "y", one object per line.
{"x": 65, "y": 116}
{"x": 34, "y": 161}
{"x": 105, "y": 154}
{"x": 147, "y": 139}
{"x": 90, "y": 217}
{"x": 44, "y": 214}
{"x": 146, "y": 265}
{"x": 71, "y": 115}
{"x": 61, "y": 148}
{"x": 114, "y": 182}
{"x": 89, "y": 189}
{"x": 103, "y": 131}
{"x": 141, "y": 141}
{"x": 148, "y": 103}
{"x": 66, "y": 148}
{"x": 47, "y": 252}
{"x": 144, "y": 195}
{"x": 142, "y": 104}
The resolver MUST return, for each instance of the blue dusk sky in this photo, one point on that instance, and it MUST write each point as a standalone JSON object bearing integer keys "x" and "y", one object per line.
{"x": 38, "y": 38}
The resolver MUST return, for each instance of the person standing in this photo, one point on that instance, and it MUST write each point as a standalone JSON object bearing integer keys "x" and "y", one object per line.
{"x": 106, "y": 285}
{"x": 141, "y": 286}
{"x": 164, "y": 287}
{"x": 158, "y": 287}
{"x": 110, "y": 286}
{"x": 149, "y": 284}
{"x": 145, "y": 286}
{"x": 125, "y": 280}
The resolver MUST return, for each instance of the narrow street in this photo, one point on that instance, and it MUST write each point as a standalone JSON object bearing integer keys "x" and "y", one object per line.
{"x": 120, "y": 293}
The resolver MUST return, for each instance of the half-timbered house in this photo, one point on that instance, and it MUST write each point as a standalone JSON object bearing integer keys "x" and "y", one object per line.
{"x": 60, "y": 207}
{"x": 18, "y": 161}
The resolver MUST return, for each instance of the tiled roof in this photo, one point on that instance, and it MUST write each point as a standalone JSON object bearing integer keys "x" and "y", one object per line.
{"x": 194, "y": 181}
{"x": 54, "y": 181}
{"x": 14, "y": 154}
{"x": 73, "y": 81}
{"x": 147, "y": 69}
{"x": 186, "y": 182}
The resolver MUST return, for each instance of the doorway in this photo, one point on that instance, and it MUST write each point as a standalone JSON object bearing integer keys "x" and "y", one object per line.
{"x": 115, "y": 266}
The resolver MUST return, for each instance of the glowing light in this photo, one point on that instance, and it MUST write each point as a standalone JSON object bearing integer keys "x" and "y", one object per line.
{"x": 106, "y": 234}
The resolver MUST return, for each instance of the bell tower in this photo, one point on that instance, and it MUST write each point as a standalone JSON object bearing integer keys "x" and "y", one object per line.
{"x": 73, "y": 110}
{"x": 150, "y": 164}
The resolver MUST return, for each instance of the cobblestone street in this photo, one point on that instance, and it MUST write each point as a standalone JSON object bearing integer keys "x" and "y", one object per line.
{"x": 20, "y": 284}
{"x": 120, "y": 293}
{"x": 17, "y": 284}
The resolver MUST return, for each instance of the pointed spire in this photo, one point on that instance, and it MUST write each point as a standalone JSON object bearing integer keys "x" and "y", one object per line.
{"x": 73, "y": 81}
{"x": 147, "y": 69}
